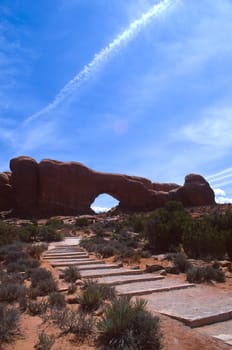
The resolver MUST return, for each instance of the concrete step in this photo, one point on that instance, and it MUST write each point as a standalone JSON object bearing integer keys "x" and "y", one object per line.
{"x": 86, "y": 261}
{"x": 220, "y": 330}
{"x": 56, "y": 257}
{"x": 118, "y": 280}
{"x": 195, "y": 307}
{"x": 148, "y": 287}
{"x": 66, "y": 255}
{"x": 109, "y": 272}
{"x": 98, "y": 267}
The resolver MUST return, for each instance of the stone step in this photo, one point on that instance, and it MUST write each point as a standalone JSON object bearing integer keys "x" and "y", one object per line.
{"x": 78, "y": 262}
{"x": 63, "y": 255}
{"x": 148, "y": 287}
{"x": 118, "y": 280}
{"x": 98, "y": 266}
{"x": 109, "y": 272}
{"x": 195, "y": 307}
{"x": 58, "y": 257}
{"x": 220, "y": 330}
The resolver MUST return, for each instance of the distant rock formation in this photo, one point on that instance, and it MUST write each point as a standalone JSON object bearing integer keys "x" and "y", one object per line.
{"x": 58, "y": 188}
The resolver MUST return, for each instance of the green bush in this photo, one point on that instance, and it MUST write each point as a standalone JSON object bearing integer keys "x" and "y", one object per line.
{"x": 200, "y": 240}
{"x": 9, "y": 323}
{"x": 8, "y": 233}
{"x": 48, "y": 233}
{"x": 205, "y": 274}
{"x": 11, "y": 291}
{"x": 71, "y": 274}
{"x": 45, "y": 341}
{"x": 37, "y": 308}
{"x": 94, "y": 294}
{"x": 55, "y": 299}
{"x": 127, "y": 326}
{"x": 70, "y": 321}
{"x": 36, "y": 250}
{"x": 181, "y": 262}
{"x": 164, "y": 227}
{"x": 43, "y": 281}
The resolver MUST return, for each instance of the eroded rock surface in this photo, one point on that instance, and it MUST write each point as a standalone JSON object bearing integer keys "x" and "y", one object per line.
{"x": 69, "y": 188}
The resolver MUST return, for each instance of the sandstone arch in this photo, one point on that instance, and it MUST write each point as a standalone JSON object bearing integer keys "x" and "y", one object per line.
{"x": 68, "y": 188}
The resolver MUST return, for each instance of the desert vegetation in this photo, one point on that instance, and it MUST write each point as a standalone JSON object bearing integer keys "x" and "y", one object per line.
{"x": 93, "y": 313}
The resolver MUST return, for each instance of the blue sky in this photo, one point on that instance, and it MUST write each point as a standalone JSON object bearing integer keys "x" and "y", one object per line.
{"x": 156, "y": 101}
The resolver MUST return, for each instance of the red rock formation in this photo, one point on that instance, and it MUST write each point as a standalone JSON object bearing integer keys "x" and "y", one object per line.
{"x": 6, "y": 193}
{"x": 57, "y": 188}
{"x": 25, "y": 184}
{"x": 196, "y": 191}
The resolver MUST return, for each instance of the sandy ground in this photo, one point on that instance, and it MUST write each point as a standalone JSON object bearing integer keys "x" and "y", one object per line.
{"x": 176, "y": 336}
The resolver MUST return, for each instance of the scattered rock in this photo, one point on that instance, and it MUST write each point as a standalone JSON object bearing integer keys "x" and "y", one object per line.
{"x": 173, "y": 270}
{"x": 153, "y": 268}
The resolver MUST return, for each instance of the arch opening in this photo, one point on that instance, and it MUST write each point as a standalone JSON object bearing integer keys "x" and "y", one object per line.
{"x": 103, "y": 203}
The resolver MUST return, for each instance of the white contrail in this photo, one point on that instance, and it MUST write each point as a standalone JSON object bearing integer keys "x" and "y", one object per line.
{"x": 220, "y": 178}
{"x": 103, "y": 55}
{"x": 222, "y": 184}
{"x": 219, "y": 174}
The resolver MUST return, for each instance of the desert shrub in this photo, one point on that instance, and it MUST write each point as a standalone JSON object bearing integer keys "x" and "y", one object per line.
{"x": 164, "y": 227}
{"x": 43, "y": 281}
{"x": 57, "y": 300}
{"x": 23, "y": 264}
{"x": 205, "y": 274}
{"x": 37, "y": 308}
{"x": 107, "y": 292}
{"x": 71, "y": 274}
{"x": 128, "y": 326}
{"x": 11, "y": 291}
{"x": 39, "y": 274}
{"x": 72, "y": 288}
{"x": 8, "y": 233}
{"x": 90, "y": 299}
{"x": 23, "y": 303}
{"x": 145, "y": 254}
{"x": 33, "y": 293}
{"x": 54, "y": 223}
{"x": 36, "y": 250}
{"x": 70, "y": 321}
{"x": 136, "y": 222}
{"x": 94, "y": 295}
{"x": 82, "y": 222}
{"x": 48, "y": 233}
{"x": 200, "y": 240}
{"x": 9, "y": 323}
{"x": 27, "y": 233}
{"x": 181, "y": 262}
{"x": 229, "y": 244}
{"x": 45, "y": 341}
{"x": 14, "y": 277}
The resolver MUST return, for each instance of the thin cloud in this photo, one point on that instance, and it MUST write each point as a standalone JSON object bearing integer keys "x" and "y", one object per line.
{"x": 104, "y": 55}
{"x": 219, "y": 174}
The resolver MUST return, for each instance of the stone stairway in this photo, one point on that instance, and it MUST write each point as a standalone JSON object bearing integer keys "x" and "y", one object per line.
{"x": 194, "y": 305}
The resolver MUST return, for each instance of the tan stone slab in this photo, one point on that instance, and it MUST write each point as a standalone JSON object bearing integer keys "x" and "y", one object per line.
{"x": 148, "y": 287}
{"x": 219, "y": 330}
{"x": 196, "y": 307}
{"x": 98, "y": 266}
{"x": 117, "y": 280}
{"x": 109, "y": 272}
{"x": 78, "y": 262}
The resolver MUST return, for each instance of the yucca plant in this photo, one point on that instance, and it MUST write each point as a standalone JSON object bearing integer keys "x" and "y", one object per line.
{"x": 90, "y": 299}
{"x": 129, "y": 326}
{"x": 71, "y": 274}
